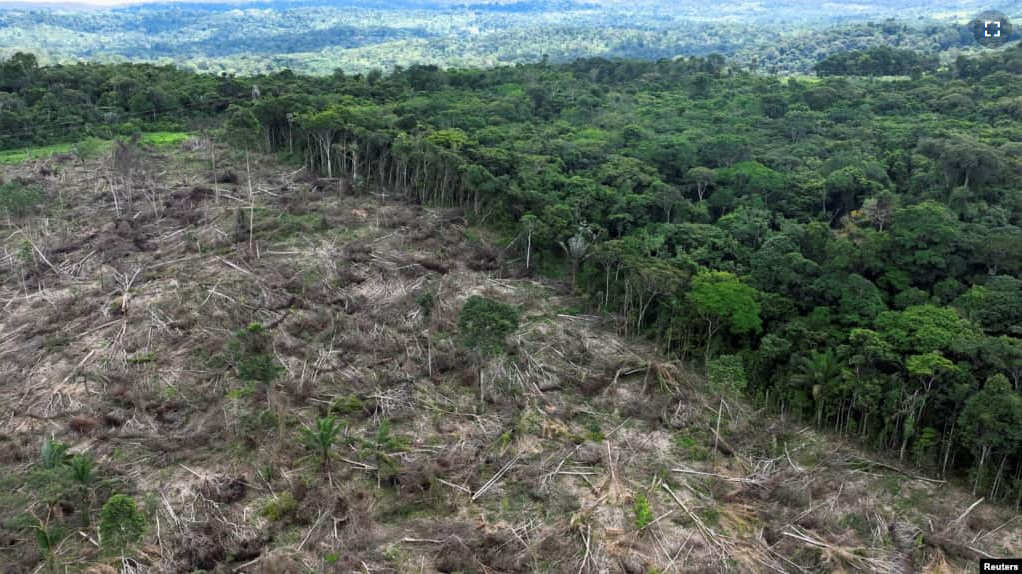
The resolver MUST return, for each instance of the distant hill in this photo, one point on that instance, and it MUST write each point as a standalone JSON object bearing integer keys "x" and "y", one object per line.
{"x": 319, "y": 36}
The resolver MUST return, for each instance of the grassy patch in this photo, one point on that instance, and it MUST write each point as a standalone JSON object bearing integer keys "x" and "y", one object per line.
{"x": 283, "y": 226}
{"x": 12, "y": 156}
{"x": 158, "y": 139}
{"x": 891, "y": 485}
{"x": 164, "y": 138}
{"x": 710, "y": 517}
{"x": 141, "y": 358}
{"x": 691, "y": 445}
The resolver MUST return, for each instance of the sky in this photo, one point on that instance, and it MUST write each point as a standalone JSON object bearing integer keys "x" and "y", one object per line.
{"x": 93, "y": 2}
{"x": 96, "y": 2}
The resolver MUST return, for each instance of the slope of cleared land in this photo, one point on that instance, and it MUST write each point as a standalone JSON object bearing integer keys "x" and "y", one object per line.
{"x": 183, "y": 334}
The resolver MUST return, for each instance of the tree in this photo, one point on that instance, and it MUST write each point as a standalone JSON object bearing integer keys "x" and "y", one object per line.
{"x": 928, "y": 368}
{"x": 666, "y": 197}
{"x": 861, "y": 301}
{"x": 126, "y": 160}
{"x": 242, "y": 128}
{"x": 995, "y": 305}
{"x": 724, "y": 150}
{"x": 18, "y": 71}
{"x": 751, "y": 178}
{"x": 83, "y": 474}
{"x": 53, "y": 454}
{"x": 819, "y": 373}
{"x": 878, "y": 210}
{"x": 530, "y": 225}
{"x": 324, "y": 126}
{"x": 847, "y": 186}
{"x": 998, "y": 249}
{"x": 991, "y": 423}
{"x": 646, "y": 280}
{"x": 719, "y": 298}
{"x": 749, "y": 225}
{"x": 1004, "y": 353}
{"x": 384, "y": 445}
{"x": 779, "y": 266}
{"x": 922, "y": 239}
{"x": 800, "y": 122}
{"x": 967, "y": 162}
{"x": 48, "y": 538}
{"x": 577, "y": 249}
{"x": 701, "y": 178}
{"x": 923, "y": 328}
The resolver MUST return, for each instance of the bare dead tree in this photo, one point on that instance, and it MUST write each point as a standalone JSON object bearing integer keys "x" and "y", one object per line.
{"x": 124, "y": 284}
{"x": 125, "y": 161}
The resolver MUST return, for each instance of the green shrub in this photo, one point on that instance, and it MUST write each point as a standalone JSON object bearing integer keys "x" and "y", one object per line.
{"x": 249, "y": 352}
{"x": 277, "y": 508}
{"x": 485, "y": 324}
{"x": 257, "y": 420}
{"x": 726, "y": 374}
{"x": 16, "y": 200}
{"x": 425, "y": 301}
{"x": 121, "y": 523}
{"x": 258, "y": 368}
{"x": 383, "y": 445}
{"x": 643, "y": 513}
{"x": 89, "y": 148}
{"x": 347, "y": 404}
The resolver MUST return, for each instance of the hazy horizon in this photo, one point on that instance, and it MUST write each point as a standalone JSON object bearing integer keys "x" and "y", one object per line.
{"x": 943, "y": 4}
{"x": 105, "y": 3}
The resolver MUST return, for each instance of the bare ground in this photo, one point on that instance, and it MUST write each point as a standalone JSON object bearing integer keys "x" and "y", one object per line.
{"x": 118, "y": 315}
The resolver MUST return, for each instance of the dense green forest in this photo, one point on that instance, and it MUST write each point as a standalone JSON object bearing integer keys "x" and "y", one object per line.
{"x": 857, "y": 243}
{"x": 318, "y": 36}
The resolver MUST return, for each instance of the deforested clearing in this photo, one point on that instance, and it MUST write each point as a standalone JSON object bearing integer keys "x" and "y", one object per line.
{"x": 272, "y": 368}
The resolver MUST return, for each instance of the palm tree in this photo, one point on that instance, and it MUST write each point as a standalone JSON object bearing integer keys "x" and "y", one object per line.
{"x": 322, "y": 439}
{"x": 53, "y": 454}
{"x": 817, "y": 371}
{"x": 48, "y": 540}
{"x": 83, "y": 475}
